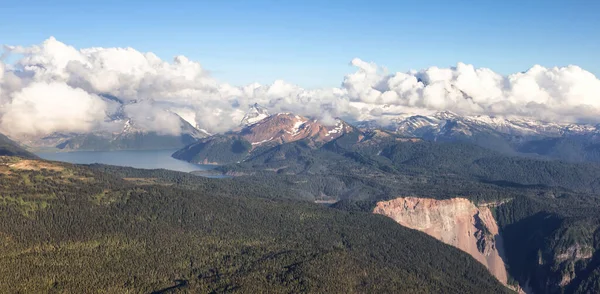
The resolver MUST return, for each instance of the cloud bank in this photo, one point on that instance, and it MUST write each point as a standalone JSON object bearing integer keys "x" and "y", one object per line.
{"x": 53, "y": 87}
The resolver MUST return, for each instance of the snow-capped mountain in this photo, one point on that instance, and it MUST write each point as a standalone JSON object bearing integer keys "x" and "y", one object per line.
{"x": 565, "y": 141}
{"x": 254, "y": 115}
{"x": 259, "y": 127}
{"x": 448, "y": 123}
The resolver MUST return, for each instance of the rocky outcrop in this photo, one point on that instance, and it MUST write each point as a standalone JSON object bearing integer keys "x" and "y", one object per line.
{"x": 565, "y": 261}
{"x": 575, "y": 253}
{"x": 457, "y": 222}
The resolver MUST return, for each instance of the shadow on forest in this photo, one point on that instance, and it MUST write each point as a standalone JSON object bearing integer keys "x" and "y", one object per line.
{"x": 522, "y": 242}
{"x": 178, "y": 284}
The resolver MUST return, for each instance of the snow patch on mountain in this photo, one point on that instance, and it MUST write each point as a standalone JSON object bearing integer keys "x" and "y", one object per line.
{"x": 446, "y": 123}
{"x": 263, "y": 141}
{"x": 296, "y": 129}
{"x": 339, "y": 127}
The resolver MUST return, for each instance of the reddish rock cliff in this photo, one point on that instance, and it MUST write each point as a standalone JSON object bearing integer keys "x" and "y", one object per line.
{"x": 456, "y": 222}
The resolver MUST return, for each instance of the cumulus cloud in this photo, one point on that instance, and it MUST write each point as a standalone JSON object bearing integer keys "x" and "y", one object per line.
{"x": 54, "y": 87}
{"x": 42, "y": 108}
{"x": 540, "y": 93}
{"x": 150, "y": 117}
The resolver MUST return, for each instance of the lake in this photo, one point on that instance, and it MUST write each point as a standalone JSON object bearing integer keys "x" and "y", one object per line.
{"x": 148, "y": 159}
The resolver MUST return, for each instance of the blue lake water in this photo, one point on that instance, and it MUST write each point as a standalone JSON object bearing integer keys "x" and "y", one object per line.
{"x": 148, "y": 159}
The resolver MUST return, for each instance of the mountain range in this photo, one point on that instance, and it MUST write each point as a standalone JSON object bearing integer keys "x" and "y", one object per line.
{"x": 10, "y": 148}
{"x": 512, "y": 136}
{"x": 489, "y": 186}
{"x": 515, "y": 136}
{"x": 564, "y": 141}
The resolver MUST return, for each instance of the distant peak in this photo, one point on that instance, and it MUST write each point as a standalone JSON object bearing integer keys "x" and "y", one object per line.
{"x": 254, "y": 115}
{"x": 257, "y": 107}
{"x": 446, "y": 114}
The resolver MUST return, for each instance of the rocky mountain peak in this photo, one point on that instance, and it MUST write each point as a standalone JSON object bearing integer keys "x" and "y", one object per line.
{"x": 254, "y": 115}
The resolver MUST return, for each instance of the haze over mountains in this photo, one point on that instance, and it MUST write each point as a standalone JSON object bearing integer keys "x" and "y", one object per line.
{"x": 11, "y": 148}
{"x": 122, "y": 132}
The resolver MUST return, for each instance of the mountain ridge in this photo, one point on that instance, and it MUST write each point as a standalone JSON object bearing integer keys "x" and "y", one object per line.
{"x": 577, "y": 142}
{"x": 269, "y": 131}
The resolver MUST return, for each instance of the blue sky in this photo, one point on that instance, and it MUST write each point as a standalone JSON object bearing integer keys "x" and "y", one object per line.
{"x": 311, "y": 43}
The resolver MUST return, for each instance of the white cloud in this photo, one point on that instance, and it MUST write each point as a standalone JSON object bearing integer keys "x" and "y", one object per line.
{"x": 42, "y": 108}
{"x": 56, "y": 87}
{"x": 543, "y": 93}
{"x": 2, "y": 70}
{"x": 151, "y": 117}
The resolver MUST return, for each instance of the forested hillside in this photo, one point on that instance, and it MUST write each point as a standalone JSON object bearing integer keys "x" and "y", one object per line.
{"x": 70, "y": 228}
{"x": 420, "y": 163}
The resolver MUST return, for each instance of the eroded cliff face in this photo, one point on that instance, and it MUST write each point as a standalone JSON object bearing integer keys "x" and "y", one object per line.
{"x": 456, "y": 222}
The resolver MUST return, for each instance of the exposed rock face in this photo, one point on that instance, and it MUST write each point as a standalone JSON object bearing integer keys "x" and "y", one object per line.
{"x": 567, "y": 259}
{"x": 456, "y": 222}
{"x": 575, "y": 253}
